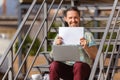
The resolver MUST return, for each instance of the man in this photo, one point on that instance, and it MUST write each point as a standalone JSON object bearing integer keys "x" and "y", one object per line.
{"x": 79, "y": 70}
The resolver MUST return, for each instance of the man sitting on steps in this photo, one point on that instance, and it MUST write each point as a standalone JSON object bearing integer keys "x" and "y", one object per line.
{"x": 79, "y": 70}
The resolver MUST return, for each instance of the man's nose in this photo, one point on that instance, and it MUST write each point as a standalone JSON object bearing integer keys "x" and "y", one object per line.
{"x": 73, "y": 19}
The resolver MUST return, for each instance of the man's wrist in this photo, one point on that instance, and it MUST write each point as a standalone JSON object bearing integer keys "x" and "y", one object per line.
{"x": 85, "y": 47}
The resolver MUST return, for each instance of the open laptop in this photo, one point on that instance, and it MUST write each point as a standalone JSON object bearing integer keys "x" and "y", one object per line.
{"x": 66, "y": 52}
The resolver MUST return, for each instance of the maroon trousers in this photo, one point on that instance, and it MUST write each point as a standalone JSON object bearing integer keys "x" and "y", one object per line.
{"x": 79, "y": 71}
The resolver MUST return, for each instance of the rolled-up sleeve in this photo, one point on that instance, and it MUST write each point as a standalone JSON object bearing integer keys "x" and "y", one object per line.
{"x": 89, "y": 37}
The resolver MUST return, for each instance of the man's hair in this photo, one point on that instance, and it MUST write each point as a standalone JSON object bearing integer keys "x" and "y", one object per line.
{"x": 71, "y": 9}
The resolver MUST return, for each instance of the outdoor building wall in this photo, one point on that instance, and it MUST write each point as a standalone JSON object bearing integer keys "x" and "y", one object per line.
{"x": 11, "y": 7}
{"x": 8, "y": 22}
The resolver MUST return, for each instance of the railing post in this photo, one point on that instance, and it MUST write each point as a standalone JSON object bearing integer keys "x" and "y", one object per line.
{"x": 19, "y": 38}
{"x": 102, "y": 66}
{"x": 10, "y": 64}
{"x": 45, "y": 25}
{"x": 96, "y": 23}
{"x": 82, "y": 21}
{"x": 72, "y": 3}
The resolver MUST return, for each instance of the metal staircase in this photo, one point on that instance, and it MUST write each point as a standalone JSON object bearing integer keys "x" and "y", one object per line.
{"x": 108, "y": 73}
{"x": 39, "y": 14}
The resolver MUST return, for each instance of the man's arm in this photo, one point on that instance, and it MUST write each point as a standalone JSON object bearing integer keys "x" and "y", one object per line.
{"x": 90, "y": 50}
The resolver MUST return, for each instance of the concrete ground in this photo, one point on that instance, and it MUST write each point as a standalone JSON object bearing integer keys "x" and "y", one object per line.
{"x": 4, "y": 43}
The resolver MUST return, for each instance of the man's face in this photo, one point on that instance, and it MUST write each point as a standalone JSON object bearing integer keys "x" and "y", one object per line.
{"x": 72, "y": 18}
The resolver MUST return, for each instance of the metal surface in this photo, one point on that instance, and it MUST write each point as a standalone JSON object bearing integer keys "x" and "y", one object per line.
{"x": 102, "y": 41}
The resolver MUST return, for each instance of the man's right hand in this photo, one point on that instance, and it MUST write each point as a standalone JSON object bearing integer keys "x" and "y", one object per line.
{"x": 59, "y": 41}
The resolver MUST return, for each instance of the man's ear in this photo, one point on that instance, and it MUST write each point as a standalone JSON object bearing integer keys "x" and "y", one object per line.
{"x": 65, "y": 19}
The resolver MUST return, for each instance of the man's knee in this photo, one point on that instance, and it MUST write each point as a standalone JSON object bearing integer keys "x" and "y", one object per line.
{"x": 54, "y": 65}
{"x": 78, "y": 65}
{"x": 81, "y": 66}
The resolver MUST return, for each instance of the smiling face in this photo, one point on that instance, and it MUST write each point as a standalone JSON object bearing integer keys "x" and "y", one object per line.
{"x": 72, "y": 18}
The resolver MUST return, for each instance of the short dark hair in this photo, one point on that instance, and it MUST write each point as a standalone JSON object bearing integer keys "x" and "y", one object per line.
{"x": 71, "y": 9}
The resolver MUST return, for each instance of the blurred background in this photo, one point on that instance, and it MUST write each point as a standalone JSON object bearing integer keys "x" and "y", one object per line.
{"x": 8, "y": 7}
{"x": 8, "y": 22}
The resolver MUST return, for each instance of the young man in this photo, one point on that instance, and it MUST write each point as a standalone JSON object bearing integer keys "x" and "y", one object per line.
{"x": 79, "y": 70}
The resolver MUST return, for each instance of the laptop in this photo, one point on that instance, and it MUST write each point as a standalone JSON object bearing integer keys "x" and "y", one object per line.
{"x": 66, "y": 52}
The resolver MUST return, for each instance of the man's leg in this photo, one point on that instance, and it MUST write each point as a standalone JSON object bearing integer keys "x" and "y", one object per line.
{"x": 81, "y": 71}
{"x": 60, "y": 70}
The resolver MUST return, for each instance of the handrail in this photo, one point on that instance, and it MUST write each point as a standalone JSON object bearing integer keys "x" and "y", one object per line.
{"x": 102, "y": 41}
{"x": 28, "y": 30}
{"x": 15, "y": 37}
{"x": 37, "y": 33}
{"x": 42, "y": 40}
{"x": 113, "y": 45}
{"x": 55, "y": 15}
{"x": 40, "y": 45}
{"x": 37, "y": 53}
{"x": 41, "y": 26}
{"x": 17, "y": 33}
{"x": 19, "y": 29}
{"x": 116, "y": 61}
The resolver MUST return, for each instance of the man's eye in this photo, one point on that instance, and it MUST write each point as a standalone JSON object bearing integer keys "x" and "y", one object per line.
{"x": 70, "y": 17}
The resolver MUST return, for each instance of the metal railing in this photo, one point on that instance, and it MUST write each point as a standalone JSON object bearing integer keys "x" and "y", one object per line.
{"x": 44, "y": 26}
{"x": 18, "y": 34}
{"x": 101, "y": 55}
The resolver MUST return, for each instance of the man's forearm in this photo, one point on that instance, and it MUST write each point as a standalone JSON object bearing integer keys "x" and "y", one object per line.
{"x": 91, "y": 51}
